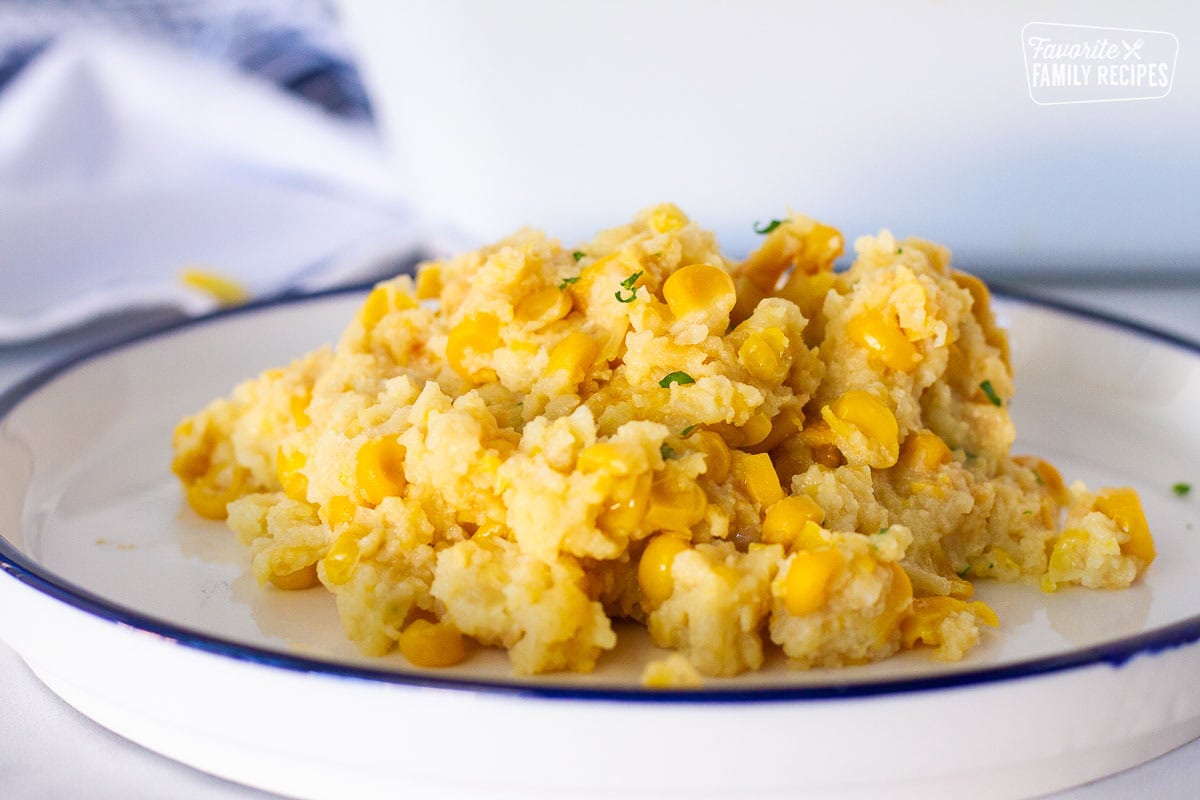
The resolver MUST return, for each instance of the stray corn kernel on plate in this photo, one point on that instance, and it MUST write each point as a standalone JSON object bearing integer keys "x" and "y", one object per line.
{"x": 530, "y": 442}
{"x": 794, "y": 508}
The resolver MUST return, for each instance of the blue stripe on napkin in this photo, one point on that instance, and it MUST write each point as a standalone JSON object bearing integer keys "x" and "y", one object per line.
{"x": 295, "y": 44}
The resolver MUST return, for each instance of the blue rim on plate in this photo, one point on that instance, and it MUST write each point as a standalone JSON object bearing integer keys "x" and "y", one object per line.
{"x": 17, "y": 565}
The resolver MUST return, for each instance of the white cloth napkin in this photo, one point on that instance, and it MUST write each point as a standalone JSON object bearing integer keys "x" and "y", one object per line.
{"x": 123, "y": 163}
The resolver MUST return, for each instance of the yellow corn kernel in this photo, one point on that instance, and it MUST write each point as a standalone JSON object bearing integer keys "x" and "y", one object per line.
{"x": 981, "y": 308}
{"x": 375, "y": 307}
{"x": 863, "y": 563}
{"x": 899, "y": 600}
{"x": 210, "y": 501}
{"x": 338, "y": 511}
{"x": 762, "y": 354}
{"x": 432, "y": 644}
{"x": 489, "y": 530}
{"x": 379, "y": 469}
{"x": 477, "y": 333}
{"x": 606, "y": 457}
{"x": 996, "y": 563}
{"x": 701, "y": 288}
{"x": 808, "y": 247}
{"x": 666, "y": 218}
{"x": 1066, "y": 558}
{"x": 785, "y": 520}
{"x": 754, "y": 431}
{"x": 822, "y": 245}
{"x": 1047, "y": 475}
{"x": 429, "y": 282}
{"x": 784, "y": 427}
{"x": 1124, "y": 507}
{"x": 884, "y": 340}
{"x": 674, "y": 507}
{"x": 924, "y": 451}
{"x": 811, "y": 537}
{"x": 599, "y": 271}
{"x": 342, "y": 558}
{"x": 189, "y": 463}
{"x": 857, "y": 411}
{"x": 936, "y": 490}
{"x": 716, "y": 454}
{"x": 656, "y": 565}
{"x": 380, "y": 301}
{"x": 189, "y": 466}
{"x": 298, "y": 405}
{"x": 224, "y": 290}
{"x": 808, "y": 251}
{"x": 827, "y": 455}
{"x": 574, "y": 355}
{"x": 985, "y": 613}
{"x": 627, "y": 507}
{"x": 543, "y": 305}
{"x": 303, "y": 578}
{"x": 808, "y": 291}
{"x": 755, "y": 475}
{"x": 806, "y": 586}
{"x": 924, "y": 623}
{"x": 288, "y": 466}
{"x": 818, "y": 433}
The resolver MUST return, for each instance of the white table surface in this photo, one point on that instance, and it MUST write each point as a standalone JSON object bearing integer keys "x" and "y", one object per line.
{"x": 49, "y": 751}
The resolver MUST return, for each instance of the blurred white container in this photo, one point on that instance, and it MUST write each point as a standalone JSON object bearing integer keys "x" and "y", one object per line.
{"x": 912, "y": 115}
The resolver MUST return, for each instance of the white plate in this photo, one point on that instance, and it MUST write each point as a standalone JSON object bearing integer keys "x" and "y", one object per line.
{"x": 144, "y": 617}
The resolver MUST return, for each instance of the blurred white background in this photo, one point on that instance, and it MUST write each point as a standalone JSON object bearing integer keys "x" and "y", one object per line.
{"x": 139, "y": 138}
{"x": 914, "y": 115}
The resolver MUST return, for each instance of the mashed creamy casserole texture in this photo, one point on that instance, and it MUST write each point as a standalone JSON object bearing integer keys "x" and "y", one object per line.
{"x": 736, "y": 455}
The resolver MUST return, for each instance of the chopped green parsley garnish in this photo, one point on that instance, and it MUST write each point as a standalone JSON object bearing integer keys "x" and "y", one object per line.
{"x": 899, "y": 251}
{"x": 627, "y": 285}
{"x": 1028, "y": 512}
{"x": 578, "y": 254}
{"x": 1037, "y": 476}
{"x": 565, "y": 282}
{"x": 987, "y": 388}
{"x": 883, "y": 531}
{"x": 686, "y": 432}
{"x": 667, "y": 452}
{"x": 682, "y": 378}
{"x": 1182, "y": 489}
{"x": 962, "y": 573}
{"x": 770, "y": 226}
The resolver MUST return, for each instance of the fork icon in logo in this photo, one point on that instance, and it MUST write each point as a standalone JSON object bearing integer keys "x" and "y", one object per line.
{"x": 1132, "y": 49}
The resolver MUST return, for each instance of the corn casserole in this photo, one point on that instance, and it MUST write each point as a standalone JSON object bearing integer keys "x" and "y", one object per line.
{"x": 528, "y": 442}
